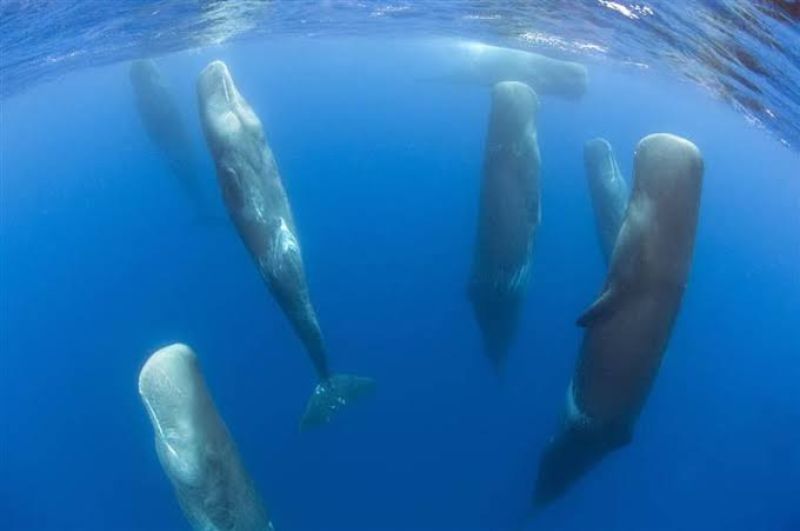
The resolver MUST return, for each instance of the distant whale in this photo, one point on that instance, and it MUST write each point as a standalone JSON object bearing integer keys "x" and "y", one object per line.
{"x": 484, "y": 64}
{"x": 608, "y": 191}
{"x": 194, "y": 446}
{"x": 165, "y": 127}
{"x": 510, "y": 212}
{"x": 627, "y": 329}
{"x": 257, "y": 203}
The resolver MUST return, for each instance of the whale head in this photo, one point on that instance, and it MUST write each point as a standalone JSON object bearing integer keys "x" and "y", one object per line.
{"x": 666, "y": 199}
{"x": 194, "y": 446}
{"x": 144, "y": 71}
{"x": 514, "y": 108}
{"x": 177, "y": 402}
{"x": 228, "y": 120}
{"x": 597, "y": 151}
{"x": 515, "y": 101}
{"x": 668, "y": 168}
{"x": 669, "y": 174}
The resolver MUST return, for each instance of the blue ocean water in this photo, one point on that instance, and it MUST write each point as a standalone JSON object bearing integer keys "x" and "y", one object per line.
{"x": 103, "y": 260}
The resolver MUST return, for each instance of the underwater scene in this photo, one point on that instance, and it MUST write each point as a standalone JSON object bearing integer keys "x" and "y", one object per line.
{"x": 369, "y": 265}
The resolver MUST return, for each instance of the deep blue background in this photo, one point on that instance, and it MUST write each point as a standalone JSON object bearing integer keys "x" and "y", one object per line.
{"x": 102, "y": 261}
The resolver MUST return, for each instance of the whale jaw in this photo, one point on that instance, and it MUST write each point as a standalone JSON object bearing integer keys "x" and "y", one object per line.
{"x": 174, "y": 395}
{"x": 227, "y": 119}
{"x": 215, "y": 81}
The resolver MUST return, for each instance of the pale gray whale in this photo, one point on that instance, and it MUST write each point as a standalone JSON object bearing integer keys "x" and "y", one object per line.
{"x": 472, "y": 62}
{"x": 257, "y": 203}
{"x": 628, "y": 327}
{"x": 194, "y": 446}
{"x": 510, "y": 212}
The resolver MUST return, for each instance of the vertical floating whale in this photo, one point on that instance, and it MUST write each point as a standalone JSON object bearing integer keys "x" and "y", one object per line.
{"x": 509, "y": 214}
{"x": 194, "y": 446}
{"x": 608, "y": 191}
{"x": 164, "y": 125}
{"x": 627, "y": 329}
{"x": 257, "y": 203}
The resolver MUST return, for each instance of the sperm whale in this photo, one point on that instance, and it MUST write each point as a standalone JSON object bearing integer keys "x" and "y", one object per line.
{"x": 627, "y": 329}
{"x": 510, "y": 212}
{"x": 259, "y": 208}
{"x": 194, "y": 446}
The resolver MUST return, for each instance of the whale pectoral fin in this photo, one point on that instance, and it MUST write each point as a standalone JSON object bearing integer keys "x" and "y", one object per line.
{"x": 332, "y": 394}
{"x": 601, "y": 308}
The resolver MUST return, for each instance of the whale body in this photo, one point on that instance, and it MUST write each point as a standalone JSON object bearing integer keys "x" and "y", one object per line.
{"x": 608, "y": 191}
{"x": 628, "y": 327}
{"x": 194, "y": 446}
{"x": 510, "y": 212}
{"x": 259, "y": 208}
{"x": 484, "y": 64}
{"x": 164, "y": 125}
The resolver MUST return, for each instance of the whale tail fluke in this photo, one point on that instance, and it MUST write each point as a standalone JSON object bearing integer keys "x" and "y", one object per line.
{"x": 331, "y": 395}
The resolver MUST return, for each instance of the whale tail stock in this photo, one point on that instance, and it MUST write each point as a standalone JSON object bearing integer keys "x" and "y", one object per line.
{"x": 332, "y": 394}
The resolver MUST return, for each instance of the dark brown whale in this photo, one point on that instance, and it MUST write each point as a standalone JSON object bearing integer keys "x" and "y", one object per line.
{"x": 628, "y": 327}
{"x": 509, "y": 214}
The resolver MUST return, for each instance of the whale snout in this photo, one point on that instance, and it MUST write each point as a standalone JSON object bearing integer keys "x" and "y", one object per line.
{"x": 515, "y": 98}
{"x": 143, "y": 71}
{"x": 596, "y": 150}
{"x": 669, "y": 165}
{"x": 514, "y": 107}
{"x": 224, "y": 113}
{"x": 170, "y": 385}
{"x": 216, "y": 84}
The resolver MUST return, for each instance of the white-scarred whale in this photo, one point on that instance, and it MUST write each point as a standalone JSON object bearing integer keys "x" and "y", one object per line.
{"x": 257, "y": 203}
{"x": 608, "y": 191}
{"x": 194, "y": 446}
{"x": 627, "y": 329}
{"x": 509, "y": 213}
{"x": 164, "y": 124}
{"x": 483, "y": 64}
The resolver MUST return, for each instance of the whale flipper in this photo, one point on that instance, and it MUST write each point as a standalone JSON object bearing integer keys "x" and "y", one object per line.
{"x": 600, "y": 308}
{"x": 331, "y": 395}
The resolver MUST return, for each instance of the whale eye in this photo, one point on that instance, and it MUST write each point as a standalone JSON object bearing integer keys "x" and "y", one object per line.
{"x": 231, "y": 190}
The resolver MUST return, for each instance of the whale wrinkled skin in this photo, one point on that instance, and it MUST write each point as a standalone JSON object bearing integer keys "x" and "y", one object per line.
{"x": 510, "y": 212}
{"x": 608, "y": 191}
{"x": 259, "y": 208}
{"x": 194, "y": 446}
{"x": 627, "y": 329}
